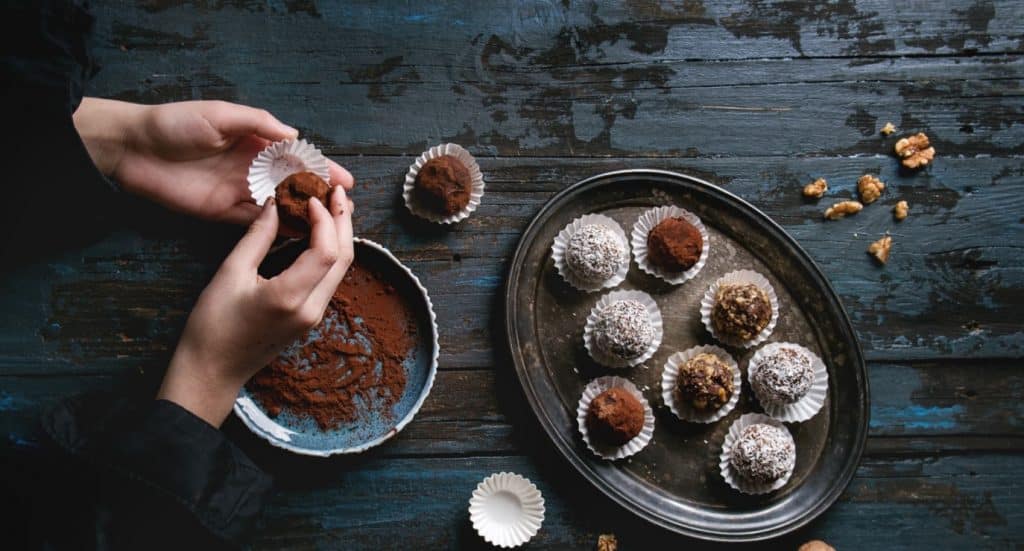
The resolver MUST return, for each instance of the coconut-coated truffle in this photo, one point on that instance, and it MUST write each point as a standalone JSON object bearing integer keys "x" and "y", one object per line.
{"x": 783, "y": 376}
{"x": 443, "y": 185}
{"x": 705, "y": 382}
{"x": 741, "y": 311}
{"x": 623, "y": 329}
{"x": 674, "y": 245}
{"x": 615, "y": 417}
{"x": 292, "y": 196}
{"x": 763, "y": 454}
{"x": 595, "y": 253}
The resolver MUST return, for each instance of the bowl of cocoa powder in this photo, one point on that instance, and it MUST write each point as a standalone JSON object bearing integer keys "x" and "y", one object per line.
{"x": 356, "y": 379}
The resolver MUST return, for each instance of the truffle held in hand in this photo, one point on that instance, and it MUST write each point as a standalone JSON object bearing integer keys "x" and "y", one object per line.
{"x": 615, "y": 417}
{"x": 674, "y": 244}
{"x": 705, "y": 382}
{"x": 443, "y": 185}
{"x": 293, "y": 195}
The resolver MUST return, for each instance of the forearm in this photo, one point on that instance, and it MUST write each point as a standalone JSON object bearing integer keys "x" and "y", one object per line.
{"x": 199, "y": 389}
{"x": 105, "y": 127}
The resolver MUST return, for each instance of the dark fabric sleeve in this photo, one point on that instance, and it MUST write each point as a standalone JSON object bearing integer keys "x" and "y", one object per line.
{"x": 168, "y": 475}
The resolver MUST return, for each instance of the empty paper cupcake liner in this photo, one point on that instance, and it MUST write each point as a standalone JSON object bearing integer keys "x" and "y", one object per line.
{"x": 280, "y": 160}
{"x": 654, "y": 314}
{"x": 506, "y": 509}
{"x": 670, "y": 377}
{"x": 804, "y": 408}
{"x": 476, "y": 191}
{"x": 612, "y": 453}
{"x": 561, "y": 243}
{"x": 725, "y": 465}
{"x": 643, "y": 227}
{"x": 740, "y": 277}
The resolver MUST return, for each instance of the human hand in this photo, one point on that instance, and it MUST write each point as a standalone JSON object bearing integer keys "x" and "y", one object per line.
{"x": 192, "y": 156}
{"x": 242, "y": 320}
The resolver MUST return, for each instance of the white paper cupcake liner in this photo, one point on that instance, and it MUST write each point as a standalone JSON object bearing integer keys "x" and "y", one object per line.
{"x": 612, "y": 453}
{"x": 476, "y": 191}
{"x": 643, "y": 227}
{"x": 280, "y": 160}
{"x": 740, "y": 277}
{"x": 656, "y": 322}
{"x": 506, "y": 509}
{"x": 561, "y": 243}
{"x": 670, "y": 377}
{"x": 804, "y": 408}
{"x": 725, "y": 466}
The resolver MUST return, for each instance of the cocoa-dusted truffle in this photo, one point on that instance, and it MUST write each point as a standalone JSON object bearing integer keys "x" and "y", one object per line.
{"x": 705, "y": 382}
{"x": 292, "y": 196}
{"x": 595, "y": 253}
{"x": 615, "y": 417}
{"x": 443, "y": 185}
{"x": 763, "y": 454}
{"x": 623, "y": 329}
{"x": 674, "y": 245}
{"x": 741, "y": 311}
{"x": 781, "y": 377}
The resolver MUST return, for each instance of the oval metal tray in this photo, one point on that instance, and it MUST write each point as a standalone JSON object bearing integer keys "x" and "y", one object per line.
{"x": 675, "y": 482}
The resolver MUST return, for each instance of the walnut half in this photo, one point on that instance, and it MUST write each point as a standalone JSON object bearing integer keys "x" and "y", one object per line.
{"x": 880, "y": 249}
{"x": 816, "y": 188}
{"x": 607, "y": 542}
{"x": 870, "y": 188}
{"x": 900, "y": 211}
{"x": 842, "y": 208}
{"x": 915, "y": 151}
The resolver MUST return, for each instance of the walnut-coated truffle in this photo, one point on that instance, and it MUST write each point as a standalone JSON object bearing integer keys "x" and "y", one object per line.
{"x": 443, "y": 185}
{"x": 741, "y": 311}
{"x": 292, "y": 196}
{"x": 705, "y": 382}
{"x": 674, "y": 245}
{"x": 615, "y": 417}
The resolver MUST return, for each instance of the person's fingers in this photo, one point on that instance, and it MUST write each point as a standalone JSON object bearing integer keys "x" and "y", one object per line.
{"x": 241, "y": 213}
{"x": 341, "y": 211}
{"x": 340, "y": 176}
{"x": 240, "y": 120}
{"x": 297, "y": 282}
{"x": 253, "y": 246}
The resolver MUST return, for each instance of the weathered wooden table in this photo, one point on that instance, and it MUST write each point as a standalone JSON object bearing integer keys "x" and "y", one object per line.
{"x": 759, "y": 99}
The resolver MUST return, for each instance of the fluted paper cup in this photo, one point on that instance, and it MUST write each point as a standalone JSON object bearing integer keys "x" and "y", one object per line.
{"x": 725, "y": 464}
{"x": 804, "y": 408}
{"x": 653, "y": 313}
{"x": 740, "y": 277}
{"x": 561, "y": 244}
{"x": 670, "y": 378}
{"x": 280, "y": 160}
{"x": 476, "y": 191}
{"x": 642, "y": 228}
{"x": 612, "y": 453}
{"x": 506, "y": 509}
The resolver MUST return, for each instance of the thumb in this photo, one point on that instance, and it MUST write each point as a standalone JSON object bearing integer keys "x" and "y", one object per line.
{"x": 240, "y": 120}
{"x": 253, "y": 247}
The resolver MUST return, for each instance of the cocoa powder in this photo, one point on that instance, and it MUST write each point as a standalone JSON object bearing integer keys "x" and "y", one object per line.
{"x": 349, "y": 364}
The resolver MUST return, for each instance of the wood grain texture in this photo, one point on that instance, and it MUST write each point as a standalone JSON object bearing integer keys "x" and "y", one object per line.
{"x": 757, "y": 97}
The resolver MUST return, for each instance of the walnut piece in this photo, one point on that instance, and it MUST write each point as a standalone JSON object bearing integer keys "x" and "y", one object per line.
{"x": 816, "y": 188}
{"x": 870, "y": 188}
{"x": 888, "y": 129}
{"x": 901, "y": 210}
{"x": 916, "y": 151}
{"x": 880, "y": 249}
{"x": 816, "y": 545}
{"x": 607, "y": 542}
{"x": 842, "y": 208}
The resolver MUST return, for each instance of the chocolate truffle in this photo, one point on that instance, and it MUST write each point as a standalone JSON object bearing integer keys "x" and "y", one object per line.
{"x": 623, "y": 329}
{"x": 783, "y": 376}
{"x": 741, "y": 311}
{"x": 443, "y": 185}
{"x": 292, "y": 196}
{"x": 615, "y": 417}
{"x": 763, "y": 454}
{"x": 705, "y": 382}
{"x": 595, "y": 253}
{"x": 674, "y": 245}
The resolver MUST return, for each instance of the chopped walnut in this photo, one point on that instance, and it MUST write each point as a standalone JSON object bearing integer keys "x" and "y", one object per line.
{"x": 889, "y": 128}
{"x": 901, "y": 210}
{"x": 916, "y": 151}
{"x": 842, "y": 208}
{"x": 607, "y": 542}
{"x": 816, "y": 188}
{"x": 880, "y": 249}
{"x": 870, "y": 188}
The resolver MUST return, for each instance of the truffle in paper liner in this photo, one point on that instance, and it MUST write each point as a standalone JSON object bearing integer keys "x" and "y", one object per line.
{"x": 804, "y": 408}
{"x": 653, "y": 315}
{"x": 506, "y": 509}
{"x": 476, "y": 191}
{"x": 280, "y": 160}
{"x": 725, "y": 465}
{"x": 592, "y": 390}
{"x": 561, "y": 244}
{"x": 643, "y": 227}
{"x": 670, "y": 377}
{"x": 740, "y": 277}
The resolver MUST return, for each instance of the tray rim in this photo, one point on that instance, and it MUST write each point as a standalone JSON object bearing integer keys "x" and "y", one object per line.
{"x": 567, "y": 450}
